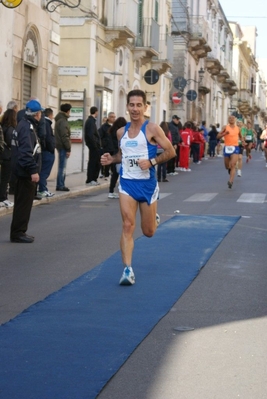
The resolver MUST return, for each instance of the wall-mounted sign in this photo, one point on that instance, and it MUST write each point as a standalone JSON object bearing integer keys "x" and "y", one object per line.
{"x": 73, "y": 71}
{"x": 31, "y": 50}
{"x": 151, "y": 76}
{"x": 76, "y": 124}
{"x": 72, "y": 95}
{"x": 11, "y": 3}
{"x": 191, "y": 95}
{"x": 180, "y": 83}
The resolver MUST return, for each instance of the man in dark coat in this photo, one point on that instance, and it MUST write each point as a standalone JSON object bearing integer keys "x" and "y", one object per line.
{"x": 26, "y": 152}
{"x": 63, "y": 144}
{"x": 106, "y": 140}
{"x": 176, "y": 140}
{"x": 92, "y": 140}
{"x": 48, "y": 155}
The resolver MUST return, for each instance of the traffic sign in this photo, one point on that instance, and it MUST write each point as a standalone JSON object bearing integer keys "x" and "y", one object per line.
{"x": 191, "y": 95}
{"x": 176, "y": 99}
{"x": 180, "y": 83}
{"x": 151, "y": 76}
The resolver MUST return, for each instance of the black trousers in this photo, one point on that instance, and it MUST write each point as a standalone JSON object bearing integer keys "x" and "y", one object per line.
{"x": 93, "y": 167}
{"x": 114, "y": 178}
{"x": 23, "y": 199}
{"x": 5, "y": 177}
{"x": 195, "y": 147}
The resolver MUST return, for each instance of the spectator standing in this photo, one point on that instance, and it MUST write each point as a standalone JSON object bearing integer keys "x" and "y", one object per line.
{"x": 206, "y": 138}
{"x": 187, "y": 138}
{"x": 26, "y": 153}
{"x": 63, "y": 144}
{"x": 212, "y": 140}
{"x": 92, "y": 140}
{"x": 119, "y": 122}
{"x": 48, "y": 155}
{"x": 195, "y": 146}
{"x": 176, "y": 139}
{"x": 259, "y": 141}
{"x": 106, "y": 142}
{"x": 9, "y": 123}
{"x": 162, "y": 167}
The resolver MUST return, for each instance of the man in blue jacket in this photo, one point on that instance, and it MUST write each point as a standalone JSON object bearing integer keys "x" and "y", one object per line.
{"x": 26, "y": 155}
{"x": 48, "y": 155}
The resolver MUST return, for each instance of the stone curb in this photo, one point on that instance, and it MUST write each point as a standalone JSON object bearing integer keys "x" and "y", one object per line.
{"x": 59, "y": 196}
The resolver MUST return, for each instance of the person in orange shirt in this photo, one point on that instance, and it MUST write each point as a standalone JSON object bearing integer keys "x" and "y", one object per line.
{"x": 232, "y": 135}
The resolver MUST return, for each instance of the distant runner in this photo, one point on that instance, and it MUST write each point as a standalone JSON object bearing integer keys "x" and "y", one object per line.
{"x": 231, "y": 134}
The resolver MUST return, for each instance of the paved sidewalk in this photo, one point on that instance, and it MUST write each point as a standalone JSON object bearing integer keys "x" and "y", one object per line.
{"x": 75, "y": 182}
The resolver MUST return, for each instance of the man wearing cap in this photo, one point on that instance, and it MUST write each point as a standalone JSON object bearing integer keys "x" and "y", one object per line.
{"x": 63, "y": 144}
{"x": 176, "y": 139}
{"x": 26, "y": 153}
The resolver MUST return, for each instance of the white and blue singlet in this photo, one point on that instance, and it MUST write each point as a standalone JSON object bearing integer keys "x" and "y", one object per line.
{"x": 139, "y": 184}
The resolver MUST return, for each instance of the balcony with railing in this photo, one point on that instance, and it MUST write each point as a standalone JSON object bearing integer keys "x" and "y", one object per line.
{"x": 121, "y": 22}
{"x": 245, "y": 101}
{"x": 200, "y": 41}
{"x": 147, "y": 41}
{"x": 165, "y": 59}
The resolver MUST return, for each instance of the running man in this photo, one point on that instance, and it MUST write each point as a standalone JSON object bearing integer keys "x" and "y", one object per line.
{"x": 138, "y": 187}
{"x": 239, "y": 164}
{"x": 250, "y": 138}
{"x": 231, "y": 134}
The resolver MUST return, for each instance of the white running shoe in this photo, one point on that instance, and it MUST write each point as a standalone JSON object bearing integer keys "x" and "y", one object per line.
{"x": 266, "y": 165}
{"x": 93, "y": 183}
{"x": 157, "y": 219}
{"x": 113, "y": 195}
{"x": 45, "y": 194}
{"x": 127, "y": 277}
{"x": 8, "y": 204}
{"x": 239, "y": 173}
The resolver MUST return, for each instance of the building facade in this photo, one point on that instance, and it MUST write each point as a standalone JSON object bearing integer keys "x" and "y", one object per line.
{"x": 109, "y": 48}
{"x": 185, "y": 54}
{"x": 29, "y": 51}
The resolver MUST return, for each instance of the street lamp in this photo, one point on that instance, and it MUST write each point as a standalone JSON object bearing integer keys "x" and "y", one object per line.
{"x": 180, "y": 82}
{"x": 201, "y": 74}
{"x": 52, "y": 5}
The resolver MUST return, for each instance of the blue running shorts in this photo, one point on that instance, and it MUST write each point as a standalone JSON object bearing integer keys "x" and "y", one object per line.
{"x": 140, "y": 190}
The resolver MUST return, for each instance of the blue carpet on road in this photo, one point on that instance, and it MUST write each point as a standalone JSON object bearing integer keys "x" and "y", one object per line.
{"x": 70, "y": 344}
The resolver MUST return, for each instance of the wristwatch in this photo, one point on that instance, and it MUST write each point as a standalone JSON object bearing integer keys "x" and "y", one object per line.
{"x": 153, "y": 161}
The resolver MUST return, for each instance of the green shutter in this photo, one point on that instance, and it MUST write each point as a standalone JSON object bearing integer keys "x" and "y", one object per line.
{"x": 156, "y": 10}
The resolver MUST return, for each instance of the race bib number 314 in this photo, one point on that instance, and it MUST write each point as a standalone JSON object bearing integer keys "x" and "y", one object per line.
{"x": 131, "y": 163}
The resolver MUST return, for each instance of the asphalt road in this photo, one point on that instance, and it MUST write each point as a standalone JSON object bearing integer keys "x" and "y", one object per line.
{"x": 224, "y": 356}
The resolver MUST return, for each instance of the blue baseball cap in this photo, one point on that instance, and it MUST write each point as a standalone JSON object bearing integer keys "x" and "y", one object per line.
{"x": 33, "y": 106}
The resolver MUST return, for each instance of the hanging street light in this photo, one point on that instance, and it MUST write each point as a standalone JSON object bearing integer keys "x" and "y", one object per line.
{"x": 52, "y": 5}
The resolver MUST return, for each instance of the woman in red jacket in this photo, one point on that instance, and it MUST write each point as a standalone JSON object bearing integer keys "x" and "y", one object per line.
{"x": 195, "y": 145}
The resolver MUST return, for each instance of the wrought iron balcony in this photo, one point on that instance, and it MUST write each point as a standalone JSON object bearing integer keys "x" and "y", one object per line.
{"x": 147, "y": 42}
{"x": 120, "y": 24}
{"x": 200, "y": 40}
{"x": 165, "y": 59}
